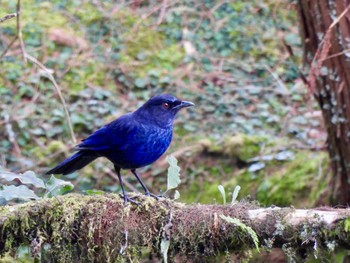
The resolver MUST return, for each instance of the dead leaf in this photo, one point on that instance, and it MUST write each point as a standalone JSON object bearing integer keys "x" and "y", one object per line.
{"x": 68, "y": 38}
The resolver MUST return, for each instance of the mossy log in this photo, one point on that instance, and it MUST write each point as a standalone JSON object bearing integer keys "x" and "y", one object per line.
{"x": 77, "y": 228}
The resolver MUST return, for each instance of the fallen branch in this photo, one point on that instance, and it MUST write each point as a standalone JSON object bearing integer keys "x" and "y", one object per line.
{"x": 99, "y": 228}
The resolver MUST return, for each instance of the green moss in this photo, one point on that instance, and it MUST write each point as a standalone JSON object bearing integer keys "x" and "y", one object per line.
{"x": 347, "y": 225}
{"x": 240, "y": 146}
{"x": 53, "y": 147}
{"x": 148, "y": 47}
{"x": 56, "y": 223}
{"x": 298, "y": 182}
{"x": 251, "y": 147}
{"x": 89, "y": 14}
{"x": 204, "y": 189}
{"x": 92, "y": 72}
{"x": 48, "y": 17}
{"x": 11, "y": 70}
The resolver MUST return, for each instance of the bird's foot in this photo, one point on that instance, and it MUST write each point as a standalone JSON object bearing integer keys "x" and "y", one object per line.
{"x": 129, "y": 199}
{"x": 153, "y": 195}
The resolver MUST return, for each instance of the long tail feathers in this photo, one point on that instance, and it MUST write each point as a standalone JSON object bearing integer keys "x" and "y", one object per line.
{"x": 73, "y": 163}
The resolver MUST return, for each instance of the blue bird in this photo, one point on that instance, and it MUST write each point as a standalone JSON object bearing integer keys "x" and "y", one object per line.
{"x": 132, "y": 141}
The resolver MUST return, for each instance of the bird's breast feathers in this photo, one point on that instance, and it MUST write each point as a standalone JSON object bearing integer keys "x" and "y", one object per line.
{"x": 140, "y": 145}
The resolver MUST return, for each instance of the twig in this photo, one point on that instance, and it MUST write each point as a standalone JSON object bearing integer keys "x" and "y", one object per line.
{"x": 336, "y": 54}
{"x": 154, "y": 10}
{"x": 7, "y": 17}
{"x": 216, "y": 7}
{"x": 8, "y": 47}
{"x": 58, "y": 90}
{"x": 19, "y": 32}
{"x": 283, "y": 87}
{"x": 293, "y": 58}
{"x": 162, "y": 12}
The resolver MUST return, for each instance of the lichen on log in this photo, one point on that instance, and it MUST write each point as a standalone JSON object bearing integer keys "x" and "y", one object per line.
{"x": 77, "y": 228}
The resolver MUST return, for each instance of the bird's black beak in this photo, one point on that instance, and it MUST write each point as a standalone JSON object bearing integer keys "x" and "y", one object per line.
{"x": 185, "y": 104}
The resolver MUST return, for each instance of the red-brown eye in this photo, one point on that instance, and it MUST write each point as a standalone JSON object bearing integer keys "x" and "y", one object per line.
{"x": 165, "y": 105}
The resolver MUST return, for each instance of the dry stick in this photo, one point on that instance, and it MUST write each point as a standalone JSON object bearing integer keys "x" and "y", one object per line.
{"x": 162, "y": 12}
{"x": 58, "y": 89}
{"x": 278, "y": 80}
{"x": 336, "y": 54}
{"x": 164, "y": 6}
{"x": 7, "y": 17}
{"x": 19, "y": 32}
{"x": 8, "y": 47}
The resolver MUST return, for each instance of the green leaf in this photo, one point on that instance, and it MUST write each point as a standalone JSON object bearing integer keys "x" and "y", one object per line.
{"x": 28, "y": 177}
{"x": 222, "y": 191}
{"x": 57, "y": 186}
{"x": 140, "y": 83}
{"x": 22, "y": 192}
{"x": 164, "y": 247}
{"x": 244, "y": 227}
{"x": 176, "y": 195}
{"x": 235, "y": 194}
{"x": 173, "y": 172}
{"x": 94, "y": 192}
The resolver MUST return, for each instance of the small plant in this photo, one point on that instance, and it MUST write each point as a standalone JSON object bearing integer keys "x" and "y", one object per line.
{"x": 234, "y": 194}
{"x": 173, "y": 179}
{"x": 223, "y": 193}
{"x": 244, "y": 227}
{"x": 29, "y": 186}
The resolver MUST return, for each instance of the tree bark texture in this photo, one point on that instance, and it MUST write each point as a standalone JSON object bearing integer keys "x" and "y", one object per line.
{"x": 78, "y": 228}
{"x": 325, "y": 31}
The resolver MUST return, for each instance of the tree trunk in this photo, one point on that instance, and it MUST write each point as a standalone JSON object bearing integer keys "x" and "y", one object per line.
{"x": 75, "y": 228}
{"x": 325, "y": 31}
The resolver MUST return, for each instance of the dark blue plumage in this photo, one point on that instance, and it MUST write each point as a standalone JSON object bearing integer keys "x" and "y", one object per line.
{"x": 133, "y": 140}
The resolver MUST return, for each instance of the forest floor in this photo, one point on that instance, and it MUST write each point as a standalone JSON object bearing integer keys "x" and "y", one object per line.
{"x": 239, "y": 62}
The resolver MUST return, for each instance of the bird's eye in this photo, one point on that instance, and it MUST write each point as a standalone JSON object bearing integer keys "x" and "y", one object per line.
{"x": 165, "y": 105}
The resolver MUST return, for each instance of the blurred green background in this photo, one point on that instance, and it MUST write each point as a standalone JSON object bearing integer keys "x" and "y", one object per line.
{"x": 254, "y": 123}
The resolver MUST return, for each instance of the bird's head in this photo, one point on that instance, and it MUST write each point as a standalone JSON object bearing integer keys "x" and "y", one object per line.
{"x": 161, "y": 110}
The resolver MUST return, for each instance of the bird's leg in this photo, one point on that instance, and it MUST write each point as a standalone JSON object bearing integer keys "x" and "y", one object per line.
{"x": 125, "y": 196}
{"x": 147, "y": 192}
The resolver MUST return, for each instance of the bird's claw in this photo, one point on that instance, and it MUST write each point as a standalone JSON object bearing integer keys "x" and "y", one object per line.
{"x": 153, "y": 195}
{"x": 129, "y": 199}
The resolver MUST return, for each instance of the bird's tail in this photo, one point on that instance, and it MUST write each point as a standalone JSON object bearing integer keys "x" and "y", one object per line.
{"x": 73, "y": 163}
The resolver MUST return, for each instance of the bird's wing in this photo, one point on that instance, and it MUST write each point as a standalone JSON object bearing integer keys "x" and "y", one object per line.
{"x": 110, "y": 136}
{"x": 96, "y": 141}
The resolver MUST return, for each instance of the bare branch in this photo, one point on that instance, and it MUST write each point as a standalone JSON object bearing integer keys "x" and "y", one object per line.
{"x": 162, "y": 12}
{"x": 7, "y": 17}
{"x": 19, "y": 32}
{"x": 8, "y": 47}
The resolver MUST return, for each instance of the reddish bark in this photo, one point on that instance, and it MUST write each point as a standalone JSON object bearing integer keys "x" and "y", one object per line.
{"x": 325, "y": 31}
